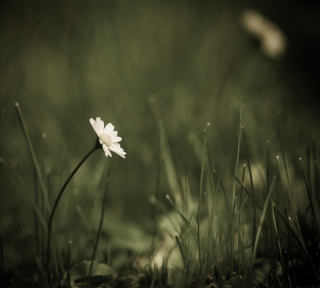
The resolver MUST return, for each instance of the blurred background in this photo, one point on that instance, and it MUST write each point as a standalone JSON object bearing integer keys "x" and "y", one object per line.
{"x": 68, "y": 61}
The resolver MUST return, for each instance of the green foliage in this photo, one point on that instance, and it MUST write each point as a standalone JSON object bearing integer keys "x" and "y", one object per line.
{"x": 202, "y": 239}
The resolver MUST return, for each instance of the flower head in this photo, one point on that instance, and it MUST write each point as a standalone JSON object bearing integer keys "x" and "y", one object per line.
{"x": 108, "y": 138}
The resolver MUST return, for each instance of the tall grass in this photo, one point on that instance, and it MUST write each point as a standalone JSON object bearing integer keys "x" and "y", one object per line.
{"x": 240, "y": 232}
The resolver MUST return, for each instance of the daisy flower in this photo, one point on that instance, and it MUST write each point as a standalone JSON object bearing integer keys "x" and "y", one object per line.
{"x": 108, "y": 138}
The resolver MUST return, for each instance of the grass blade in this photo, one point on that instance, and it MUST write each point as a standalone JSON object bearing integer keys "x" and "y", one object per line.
{"x": 164, "y": 147}
{"x": 300, "y": 241}
{"x": 32, "y": 153}
{"x": 200, "y": 194}
{"x": 263, "y": 214}
{"x": 238, "y": 150}
{"x": 103, "y": 207}
{"x": 292, "y": 203}
{"x": 310, "y": 198}
{"x": 37, "y": 262}
{"x": 252, "y": 188}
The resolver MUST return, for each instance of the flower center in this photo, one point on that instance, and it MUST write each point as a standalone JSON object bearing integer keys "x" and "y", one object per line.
{"x": 106, "y": 139}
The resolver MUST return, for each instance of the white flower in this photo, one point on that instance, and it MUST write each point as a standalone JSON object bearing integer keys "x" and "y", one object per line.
{"x": 108, "y": 138}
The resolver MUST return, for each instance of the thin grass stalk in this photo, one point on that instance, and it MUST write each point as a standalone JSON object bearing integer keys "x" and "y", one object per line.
{"x": 310, "y": 198}
{"x": 157, "y": 195}
{"x": 244, "y": 188}
{"x": 222, "y": 187}
{"x": 88, "y": 229}
{"x": 219, "y": 182}
{"x": 71, "y": 213}
{"x": 270, "y": 210}
{"x": 230, "y": 234}
{"x": 240, "y": 235}
{"x": 292, "y": 203}
{"x": 286, "y": 269}
{"x": 185, "y": 206}
{"x": 41, "y": 231}
{"x": 200, "y": 194}
{"x": 252, "y": 188}
{"x": 209, "y": 229}
{"x": 164, "y": 269}
{"x": 207, "y": 263}
{"x": 213, "y": 197}
{"x": 238, "y": 150}
{"x": 188, "y": 246}
{"x": 275, "y": 225}
{"x": 240, "y": 230}
{"x": 267, "y": 189}
{"x": 174, "y": 225}
{"x": 315, "y": 173}
{"x": 267, "y": 167}
{"x": 55, "y": 260}
{"x": 68, "y": 264}
{"x": 32, "y": 153}
{"x": 154, "y": 277}
{"x": 164, "y": 146}
{"x": 317, "y": 188}
{"x": 300, "y": 241}
{"x": 37, "y": 227}
{"x": 103, "y": 207}
{"x": 37, "y": 262}
{"x": 210, "y": 168}
{"x": 20, "y": 181}
{"x": 183, "y": 255}
{"x": 263, "y": 214}
{"x": 318, "y": 175}
{"x": 308, "y": 169}
{"x": 209, "y": 216}
{"x": 186, "y": 273}
{"x": 286, "y": 214}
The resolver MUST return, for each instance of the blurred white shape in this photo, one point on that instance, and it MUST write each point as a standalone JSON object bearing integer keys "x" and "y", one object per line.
{"x": 273, "y": 41}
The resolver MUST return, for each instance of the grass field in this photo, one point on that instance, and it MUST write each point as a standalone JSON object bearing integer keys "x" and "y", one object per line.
{"x": 192, "y": 204}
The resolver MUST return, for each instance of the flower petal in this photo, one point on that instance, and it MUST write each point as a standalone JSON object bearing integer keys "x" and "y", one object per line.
{"x": 118, "y": 150}
{"x": 117, "y": 146}
{"x": 108, "y": 129}
{"x": 114, "y": 134}
{"x": 121, "y": 154}
{"x": 106, "y": 150}
{"x": 116, "y": 139}
{"x": 93, "y": 124}
{"x": 97, "y": 125}
{"x": 100, "y": 125}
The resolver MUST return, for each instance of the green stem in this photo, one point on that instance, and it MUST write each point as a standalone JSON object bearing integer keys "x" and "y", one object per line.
{"x": 55, "y": 205}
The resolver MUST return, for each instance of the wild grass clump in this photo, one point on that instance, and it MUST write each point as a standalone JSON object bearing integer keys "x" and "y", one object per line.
{"x": 250, "y": 225}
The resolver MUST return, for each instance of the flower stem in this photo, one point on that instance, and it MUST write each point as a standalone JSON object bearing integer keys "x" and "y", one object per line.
{"x": 55, "y": 205}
